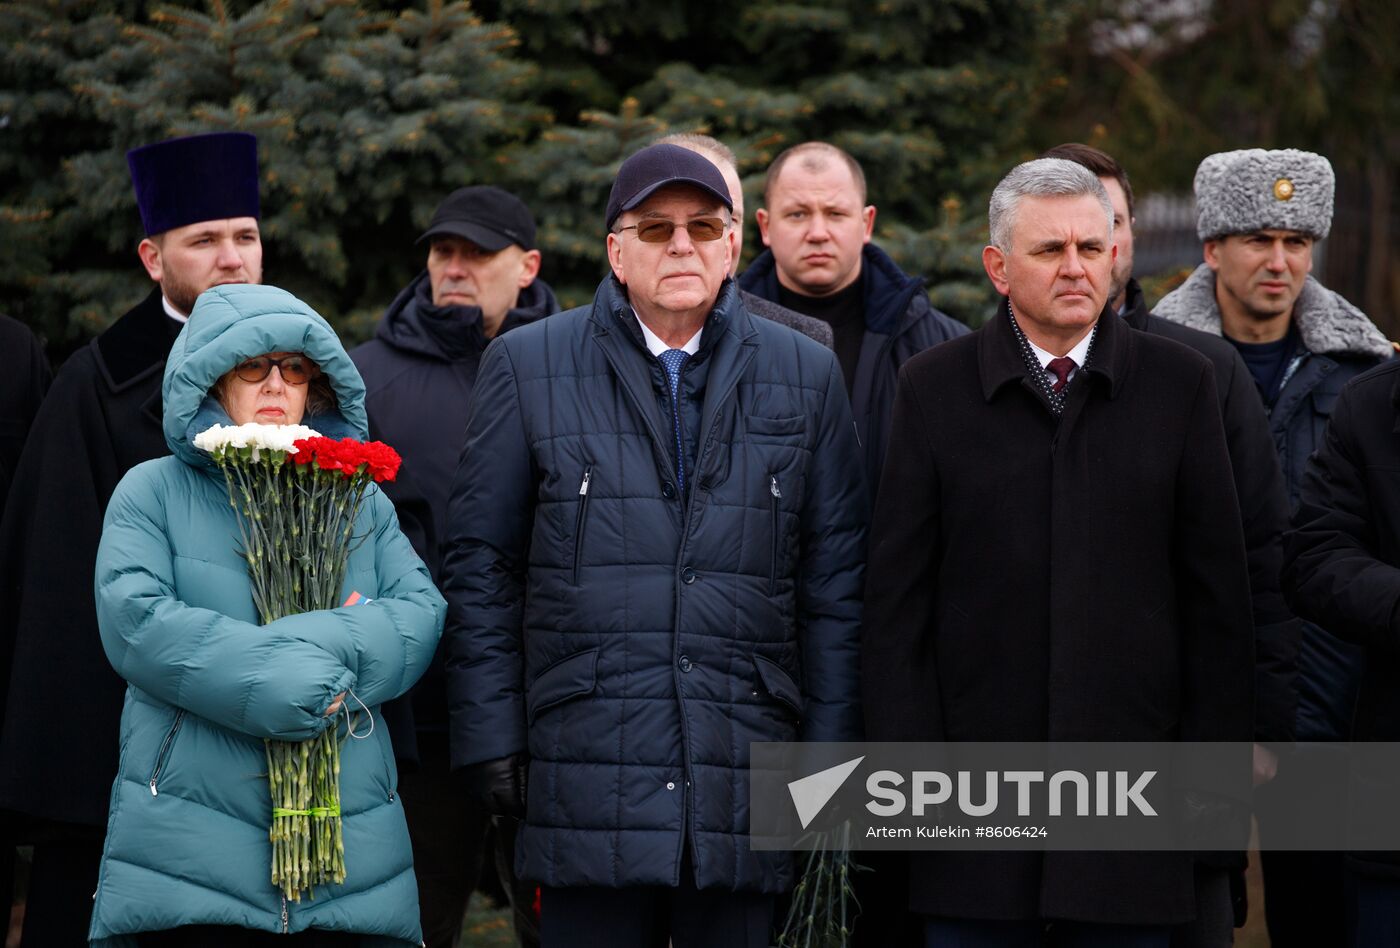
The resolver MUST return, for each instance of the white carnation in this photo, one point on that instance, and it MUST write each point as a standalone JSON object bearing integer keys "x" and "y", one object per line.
{"x": 260, "y": 438}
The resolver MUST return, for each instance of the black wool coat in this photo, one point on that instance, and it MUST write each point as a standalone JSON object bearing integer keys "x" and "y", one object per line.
{"x": 102, "y": 416}
{"x": 22, "y": 387}
{"x": 1071, "y": 578}
{"x": 1342, "y": 558}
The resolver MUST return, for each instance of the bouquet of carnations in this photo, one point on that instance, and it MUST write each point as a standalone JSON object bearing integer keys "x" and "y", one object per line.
{"x": 823, "y": 909}
{"x": 298, "y": 496}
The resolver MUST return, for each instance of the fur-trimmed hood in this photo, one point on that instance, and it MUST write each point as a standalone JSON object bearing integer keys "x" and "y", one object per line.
{"x": 1327, "y": 323}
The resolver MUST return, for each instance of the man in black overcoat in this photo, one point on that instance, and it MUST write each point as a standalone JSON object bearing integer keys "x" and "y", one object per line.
{"x": 1263, "y": 499}
{"x": 198, "y": 198}
{"x": 1056, "y": 555}
{"x": 1342, "y": 571}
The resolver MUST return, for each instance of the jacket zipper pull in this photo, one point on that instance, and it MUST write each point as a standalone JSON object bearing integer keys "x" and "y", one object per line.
{"x": 583, "y": 488}
{"x": 285, "y": 923}
{"x": 773, "y": 486}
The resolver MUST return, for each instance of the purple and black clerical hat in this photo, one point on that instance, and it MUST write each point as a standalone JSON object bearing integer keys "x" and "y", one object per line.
{"x": 197, "y": 178}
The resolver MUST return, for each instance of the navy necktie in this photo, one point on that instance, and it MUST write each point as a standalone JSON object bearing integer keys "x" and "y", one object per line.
{"x": 674, "y": 361}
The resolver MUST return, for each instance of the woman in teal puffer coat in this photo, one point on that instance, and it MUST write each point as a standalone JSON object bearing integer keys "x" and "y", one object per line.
{"x": 187, "y": 836}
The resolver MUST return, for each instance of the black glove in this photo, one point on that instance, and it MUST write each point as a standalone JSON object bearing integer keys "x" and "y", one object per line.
{"x": 1210, "y": 821}
{"x": 498, "y": 785}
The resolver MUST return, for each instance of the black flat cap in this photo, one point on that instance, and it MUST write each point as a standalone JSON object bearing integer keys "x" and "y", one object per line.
{"x": 489, "y": 217}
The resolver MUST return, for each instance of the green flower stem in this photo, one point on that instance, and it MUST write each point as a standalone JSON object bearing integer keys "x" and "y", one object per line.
{"x": 297, "y": 529}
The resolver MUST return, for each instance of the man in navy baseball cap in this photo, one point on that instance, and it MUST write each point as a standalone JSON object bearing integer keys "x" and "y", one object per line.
{"x": 659, "y": 506}
{"x": 656, "y": 167}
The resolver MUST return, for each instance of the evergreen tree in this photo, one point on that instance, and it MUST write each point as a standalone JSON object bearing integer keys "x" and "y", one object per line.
{"x": 365, "y": 120}
{"x": 1163, "y": 85}
{"x": 932, "y": 99}
{"x": 44, "y": 125}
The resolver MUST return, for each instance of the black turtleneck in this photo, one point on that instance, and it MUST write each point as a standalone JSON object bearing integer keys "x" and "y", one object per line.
{"x": 844, "y": 310}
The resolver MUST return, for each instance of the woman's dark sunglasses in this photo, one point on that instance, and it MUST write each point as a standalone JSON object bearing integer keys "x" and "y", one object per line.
{"x": 295, "y": 369}
{"x": 660, "y": 231}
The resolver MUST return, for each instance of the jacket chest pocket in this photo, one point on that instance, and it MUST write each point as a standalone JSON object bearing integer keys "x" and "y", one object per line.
{"x": 777, "y": 449}
{"x": 775, "y": 504}
{"x": 585, "y": 493}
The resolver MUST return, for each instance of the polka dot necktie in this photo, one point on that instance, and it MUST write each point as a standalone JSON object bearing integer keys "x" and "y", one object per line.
{"x": 1061, "y": 367}
{"x": 674, "y": 361}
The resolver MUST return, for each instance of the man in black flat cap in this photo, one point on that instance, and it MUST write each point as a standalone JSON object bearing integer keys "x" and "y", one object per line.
{"x": 480, "y": 281}
{"x": 654, "y": 556}
{"x": 198, "y": 198}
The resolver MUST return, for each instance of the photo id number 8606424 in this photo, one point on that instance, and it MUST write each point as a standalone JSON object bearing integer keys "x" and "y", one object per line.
{"x": 1010, "y": 832}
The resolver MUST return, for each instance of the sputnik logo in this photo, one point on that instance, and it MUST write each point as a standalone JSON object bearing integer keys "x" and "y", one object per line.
{"x": 811, "y": 793}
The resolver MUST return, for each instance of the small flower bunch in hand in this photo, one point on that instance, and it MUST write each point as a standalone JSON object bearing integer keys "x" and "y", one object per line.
{"x": 298, "y": 496}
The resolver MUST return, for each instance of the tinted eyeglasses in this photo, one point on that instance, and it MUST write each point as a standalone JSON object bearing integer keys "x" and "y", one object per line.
{"x": 295, "y": 369}
{"x": 660, "y": 231}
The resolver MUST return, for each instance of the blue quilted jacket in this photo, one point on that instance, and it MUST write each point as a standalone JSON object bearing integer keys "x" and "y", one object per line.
{"x": 187, "y": 835}
{"x": 633, "y": 637}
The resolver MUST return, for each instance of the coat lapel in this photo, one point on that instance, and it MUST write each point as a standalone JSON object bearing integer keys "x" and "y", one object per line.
{"x": 136, "y": 345}
{"x": 729, "y": 360}
{"x": 630, "y": 368}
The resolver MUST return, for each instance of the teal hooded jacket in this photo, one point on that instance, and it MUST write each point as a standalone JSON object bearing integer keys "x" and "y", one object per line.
{"x": 187, "y": 834}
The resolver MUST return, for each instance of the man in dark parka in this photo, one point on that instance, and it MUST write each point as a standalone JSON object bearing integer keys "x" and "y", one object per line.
{"x": 655, "y": 554}
{"x": 198, "y": 198}
{"x": 1056, "y": 555}
{"x": 481, "y": 279}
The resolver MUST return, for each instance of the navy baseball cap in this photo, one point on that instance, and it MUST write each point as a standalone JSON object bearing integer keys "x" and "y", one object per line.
{"x": 197, "y": 178}
{"x": 655, "y": 167}
{"x": 489, "y": 217}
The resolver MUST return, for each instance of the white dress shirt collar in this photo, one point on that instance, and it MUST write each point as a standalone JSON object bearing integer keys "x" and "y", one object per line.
{"x": 655, "y": 346}
{"x": 1079, "y": 353}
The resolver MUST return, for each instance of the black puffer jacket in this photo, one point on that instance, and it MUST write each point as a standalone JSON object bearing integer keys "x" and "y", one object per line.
{"x": 419, "y": 371}
{"x": 636, "y": 637}
{"x": 899, "y": 322}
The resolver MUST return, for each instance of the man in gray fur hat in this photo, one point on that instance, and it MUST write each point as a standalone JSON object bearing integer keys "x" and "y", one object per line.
{"x": 1259, "y": 214}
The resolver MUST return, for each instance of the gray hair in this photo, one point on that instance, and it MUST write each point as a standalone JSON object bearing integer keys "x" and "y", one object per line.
{"x": 1043, "y": 177}
{"x": 709, "y": 147}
